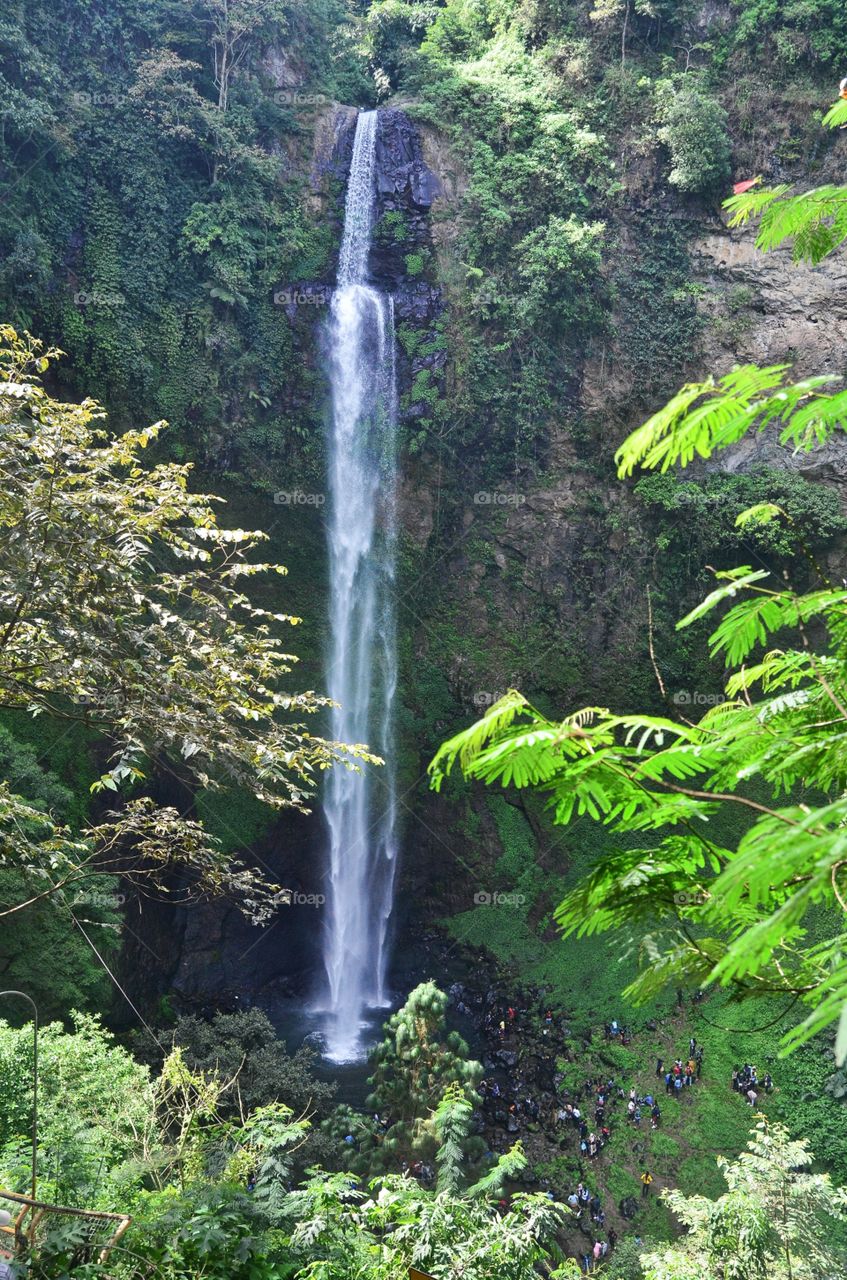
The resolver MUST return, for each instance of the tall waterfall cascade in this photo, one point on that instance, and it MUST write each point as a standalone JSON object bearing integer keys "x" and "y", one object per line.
{"x": 360, "y": 807}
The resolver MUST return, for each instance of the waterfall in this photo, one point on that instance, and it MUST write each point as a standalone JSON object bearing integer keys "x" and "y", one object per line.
{"x": 360, "y": 808}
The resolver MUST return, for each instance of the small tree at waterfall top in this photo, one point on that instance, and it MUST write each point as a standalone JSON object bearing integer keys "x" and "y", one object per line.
{"x": 122, "y": 609}
{"x": 774, "y": 748}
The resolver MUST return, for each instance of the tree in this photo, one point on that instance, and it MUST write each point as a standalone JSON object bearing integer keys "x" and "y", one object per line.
{"x": 121, "y": 608}
{"x": 415, "y": 1063}
{"x": 235, "y": 26}
{"x": 244, "y": 1047}
{"x": 94, "y": 1103}
{"x": 211, "y": 1193}
{"x": 558, "y": 265}
{"x": 606, "y": 12}
{"x": 417, "y": 1058}
{"x": 393, "y": 29}
{"x": 709, "y": 913}
{"x": 42, "y": 950}
{"x": 774, "y": 1222}
{"x": 167, "y": 98}
{"x": 693, "y": 127}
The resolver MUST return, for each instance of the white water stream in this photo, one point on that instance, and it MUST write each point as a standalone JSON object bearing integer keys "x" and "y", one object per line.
{"x": 360, "y": 808}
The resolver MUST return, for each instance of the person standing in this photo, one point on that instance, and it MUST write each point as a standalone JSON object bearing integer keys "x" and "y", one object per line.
{"x": 660, "y": 1062}
{"x": 646, "y": 1182}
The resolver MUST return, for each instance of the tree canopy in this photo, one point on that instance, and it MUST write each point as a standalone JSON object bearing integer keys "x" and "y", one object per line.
{"x": 123, "y": 607}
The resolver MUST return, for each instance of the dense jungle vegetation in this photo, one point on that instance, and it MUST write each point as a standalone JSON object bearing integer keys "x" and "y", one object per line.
{"x": 646, "y": 920}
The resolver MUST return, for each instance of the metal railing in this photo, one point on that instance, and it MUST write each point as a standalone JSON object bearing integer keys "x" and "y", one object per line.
{"x": 30, "y": 1226}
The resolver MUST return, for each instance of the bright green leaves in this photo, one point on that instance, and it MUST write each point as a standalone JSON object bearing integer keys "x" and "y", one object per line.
{"x": 707, "y": 913}
{"x": 734, "y": 580}
{"x": 815, "y": 221}
{"x": 761, "y": 513}
{"x": 707, "y": 416}
{"x": 775, "y": 1220}
{"x": 693, "y": 127}
{"x": 465, "y": 746}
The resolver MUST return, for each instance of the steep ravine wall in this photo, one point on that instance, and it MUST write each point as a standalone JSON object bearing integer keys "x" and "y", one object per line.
{"x": 543, "y": 584}
{"x": 538, "y": 582}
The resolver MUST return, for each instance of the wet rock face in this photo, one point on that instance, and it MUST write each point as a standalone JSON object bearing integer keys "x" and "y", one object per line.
{"x": 333, "y": 152}
{"x": 768, "y": 308}
{"x": 402, "y": 252}
{"x": 400, "y": 164}
{"x": 405, "y": 191}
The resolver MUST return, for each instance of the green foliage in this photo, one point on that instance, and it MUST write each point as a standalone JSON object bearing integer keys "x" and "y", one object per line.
{"x": 211, "y": 1231}
{"x": 791, "y": 31}
{"x": 708, "y": 509}
{"x": 243, "y": 1047}
{"x": 102, "y": 626}
{"x": 212, "y": 1195}
{"x": 660, "y": 327}
{"x": 693, "y": 127}
{"x": 341, "y": 1234}
{"x": 712, "y": 913}
{"x": 626, "y": 1261}
{"x": 774, "y": 1221}
{"x": 713, "y": 414}
{"x": 94, "y": 1103}
{"x": 814, "y": 221}
{"x": 41, "y": 948}
{"x": 150, "y": 243}
{"x": 417, "y": 1062}
{"x": 557, "y": 267}
{"x": 417, "y": 1058}
{"x": 533, "y": 160}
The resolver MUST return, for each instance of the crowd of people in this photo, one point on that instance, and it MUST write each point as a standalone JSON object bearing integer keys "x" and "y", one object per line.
{"x": 419, "y": 1169}
{"x": 745, "y": 1080}
{"x": 582, "y": 1115}
{"x": 683, "y": 1072}
{"x": 589, "y": 1216}
{"x": 587, "y": 1111}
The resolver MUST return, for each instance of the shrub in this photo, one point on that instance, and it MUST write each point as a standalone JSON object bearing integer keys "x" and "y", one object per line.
{"x": 693, "y": 127}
